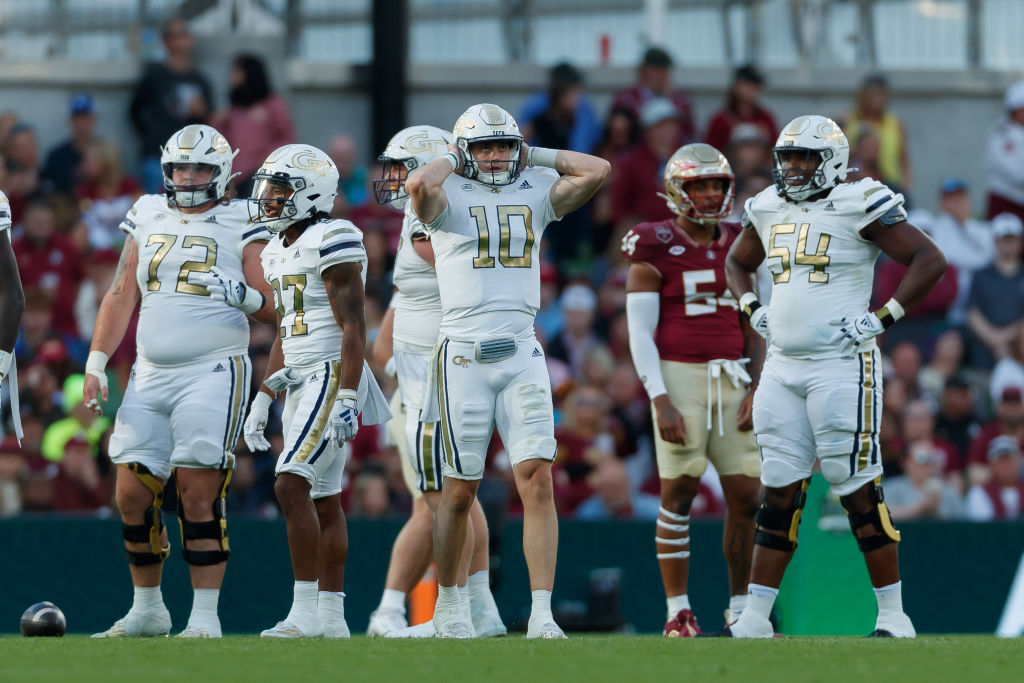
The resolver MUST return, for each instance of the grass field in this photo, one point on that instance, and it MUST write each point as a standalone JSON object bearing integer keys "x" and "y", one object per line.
{"x": 975, "y": 659}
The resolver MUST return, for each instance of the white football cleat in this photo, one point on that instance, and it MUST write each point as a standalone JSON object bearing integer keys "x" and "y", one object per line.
{"x": 201, "y": 627}
{"x": 335, "y": 628}
{"x": 139, "y": 625}
{"x": 750, "y": 625}
{"x": 547, "y": 630}
{"x": 488, "y": 624}
{"x": 424, "y": 630}
{"x": 383, "y": 622}
{"x": 289, "y": 629}
{"x": 453, "y": 622}
{"x": 896, "y": 625}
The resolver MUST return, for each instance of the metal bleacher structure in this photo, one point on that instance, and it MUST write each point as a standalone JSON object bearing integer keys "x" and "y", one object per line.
{"x": 954, "y": 56}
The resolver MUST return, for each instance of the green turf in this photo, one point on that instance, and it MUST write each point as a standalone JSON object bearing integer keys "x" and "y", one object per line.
{"x": 595, "y": 658}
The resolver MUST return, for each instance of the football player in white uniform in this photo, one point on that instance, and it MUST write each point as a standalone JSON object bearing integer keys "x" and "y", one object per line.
{"x": 194, "y": 260}
{"x": 12, "y": 304}
{"x": 316, "y": 266}
{"x": 412, "y": 322}
{"x": 820, "y": 395}
{"x": 485, "y": 204}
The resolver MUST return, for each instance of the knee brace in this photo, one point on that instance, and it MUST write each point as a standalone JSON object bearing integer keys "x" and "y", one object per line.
{"x": 152, "y": 528}
{"x": 877, "y": 517}
{"x": 216, "y": 529}
{"x": 781, "y": 519}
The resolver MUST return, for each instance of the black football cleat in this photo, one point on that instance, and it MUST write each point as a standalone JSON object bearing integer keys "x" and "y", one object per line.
{"x": 724, "y": 633}
{"x": 880, "y": 633}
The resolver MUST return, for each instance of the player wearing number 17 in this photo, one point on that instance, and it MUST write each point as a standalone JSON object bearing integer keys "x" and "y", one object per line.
{"x": 191, "y": 255}
{"x": 486, "y": 204}
{"x": 820, "y": 395}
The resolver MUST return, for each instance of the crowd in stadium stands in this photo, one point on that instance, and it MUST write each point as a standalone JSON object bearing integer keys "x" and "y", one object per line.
{"x": 952, "y": 424}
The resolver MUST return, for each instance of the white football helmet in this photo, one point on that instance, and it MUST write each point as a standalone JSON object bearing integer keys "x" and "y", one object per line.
{"x": 697, "y": 161}
{"x": 203, "y": 145}
{"x": 294, "y": 183}
{"x": 488, "y": 122}
{"x": 823, "y": 143}
{"x": 410, "y": 148}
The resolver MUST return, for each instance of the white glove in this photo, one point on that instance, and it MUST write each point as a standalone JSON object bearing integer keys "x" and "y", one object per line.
{"x": 232, "y": 292}
{"x": 5, "y": 364}
{"x": 345, "y": 418}
{"x": 96, "y": 365}
{"x": 256, "y": 422}
{"x": 853, "y": 333}
{"x": 759, "y": 321}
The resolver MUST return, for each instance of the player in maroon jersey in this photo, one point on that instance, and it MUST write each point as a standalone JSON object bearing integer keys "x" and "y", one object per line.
{"x": 688, "y": 345}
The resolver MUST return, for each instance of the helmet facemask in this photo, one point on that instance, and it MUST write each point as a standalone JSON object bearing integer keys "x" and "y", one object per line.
{"x": 803, "y": 181}
{"x": 273, "y": 200}
{"x": 474, "y": 169}
{"x": 390, "y": 187}
{"x": 683, "y": 205}
{"x": 190, "y": 196}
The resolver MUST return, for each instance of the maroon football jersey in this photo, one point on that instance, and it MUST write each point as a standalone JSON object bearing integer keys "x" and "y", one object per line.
{"x": 699, "y": 318}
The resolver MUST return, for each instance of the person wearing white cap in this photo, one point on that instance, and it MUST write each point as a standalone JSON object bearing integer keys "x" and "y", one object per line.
{"x": 1005, "y": 157}
{"x": 578, "y": 304}
{"x": 996, "y": 300}
{"x": 1002, "y": 497}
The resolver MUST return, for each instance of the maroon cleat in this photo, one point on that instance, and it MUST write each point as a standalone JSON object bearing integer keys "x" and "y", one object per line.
{"x": 683, "y": 625}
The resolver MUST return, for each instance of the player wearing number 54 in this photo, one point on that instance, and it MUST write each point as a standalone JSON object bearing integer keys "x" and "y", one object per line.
{"x": 192, "y": 258}
{"x": 485, "y": 205}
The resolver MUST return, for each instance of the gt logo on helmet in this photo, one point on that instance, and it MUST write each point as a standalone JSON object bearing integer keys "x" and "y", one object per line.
{"x": 307, "y": 161}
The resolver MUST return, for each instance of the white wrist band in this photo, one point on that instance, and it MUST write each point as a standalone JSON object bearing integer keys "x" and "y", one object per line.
{"x": 541, "y": 156}
{"x": 96, "y": 364}
{"x": 452, "y": 159}
{"x": 895, "y": 309}
{"x": 253, "y": 300}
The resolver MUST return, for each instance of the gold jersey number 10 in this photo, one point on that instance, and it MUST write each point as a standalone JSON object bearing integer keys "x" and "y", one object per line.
{"x": 483, "y": 258}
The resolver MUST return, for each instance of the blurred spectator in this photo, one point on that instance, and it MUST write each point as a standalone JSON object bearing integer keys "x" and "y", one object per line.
{"x": 749, "y": 152}
{"x": 1005, "y": 159}
{"x": 621, "y": 134}
{"x": 947, "y": 357}
{"x": 996, "y": 301}
{"x": 871, "y": 108}
{"x": 639, "y": 178}
{"x": 13, "y": 470}
{"x": 61, "y": 167}
{"x": 957, "y": 421}
{"x": 921, "y": 493}
{"x": 47, "y": 260}
{"x": 1002, "y": 496}
{"x": 1009, "y": 371}
{"x": 967, "y": 243}
{"x": 353, "y": 186}
{"x": 99, "y": 273}
{"x": 927, "y": 319}
{"x": 654, "y": 81}
{"x": 583, "y": 439}
{"x": 577, "y": 337}
{"x": 613, "y": 497}
{"x": 80, "y": 485}
{"x": 549, "y": 318}
{"x": 919, "y": 428}
{"x": 561, "y": 117}
{"x": 742, "y": 106}
{"x": 168, "y": 96}
{"x": 865, "y": 156}
{"x": 104, "y": 193}
{"x": 79, "y": 423}
{"x": 1009, "y": 421}
{"x": 40, "y": 391}
{"x": 257, "y": 122}
{"x": 905, "y": 367}
{"x": 22, "y": 175}
{"x": 370, "y": 498}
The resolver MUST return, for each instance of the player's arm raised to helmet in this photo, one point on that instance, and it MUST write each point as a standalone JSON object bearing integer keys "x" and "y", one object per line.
{"x": 252, "y": 267}
{"x": 908, "y": 245}
{"x": 12, "y": 297}
{"x": 344, "y": 282}
{"x": 112, "y": 321}
{"x": 424, "y": 185}
{"x": 582, "y": 175}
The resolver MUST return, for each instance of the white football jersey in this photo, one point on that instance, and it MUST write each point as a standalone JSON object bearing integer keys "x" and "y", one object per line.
{"x": 5, "y": 213}
{"x": 310, "y": 334}
{"x": 418, "y": 299}
{"x": 821, "y": 267}
{"x": 487, "y": 253}
{"x": 179, "y": 323}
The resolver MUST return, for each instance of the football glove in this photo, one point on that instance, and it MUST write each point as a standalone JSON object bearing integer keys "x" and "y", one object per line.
{"x": 853, "y": 333}
{"x": 345, "y": 418}
{"x": 756, "y": 313}
{"x": 232, "y": 292}
{"x": 256, "y": 422}
{"x": 5, "y": 363}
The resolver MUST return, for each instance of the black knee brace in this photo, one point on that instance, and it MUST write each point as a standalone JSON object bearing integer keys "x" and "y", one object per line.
{"x": 878, "y": 518}
{"x": 216, "y": 529}
{"x": 781, "y": 519}
{"x": 150, "y": 530}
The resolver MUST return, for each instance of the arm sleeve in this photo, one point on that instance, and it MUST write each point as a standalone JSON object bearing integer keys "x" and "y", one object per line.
{"x": 642, "y": 310}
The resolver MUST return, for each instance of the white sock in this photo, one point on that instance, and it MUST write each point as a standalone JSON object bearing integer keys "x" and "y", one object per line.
{"x": 392, "y": 601}
{"x": 304, "y": 599}
{"x": 147, "y": 598}
{"x": 331, "y": 603}
{"x": 676, "y": 603}
{"x": 541, "y": 607}
{"x": 480, "y": 597}
{"x": 760, "y": 600}
{"x": 204, "y": 601}
{"x": 890, "y": 598}
{"x": 737, "y": 603}
{"x": 447, "y": 597}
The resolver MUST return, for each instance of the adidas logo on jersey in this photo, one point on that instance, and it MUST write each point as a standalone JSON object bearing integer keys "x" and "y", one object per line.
{"x": 830, "y": 207}
{"x": 211, "y": 219}
{"x": 525, "y": 185}
{"x": 220, "y": 368}
{"x": 536, "y": 353}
